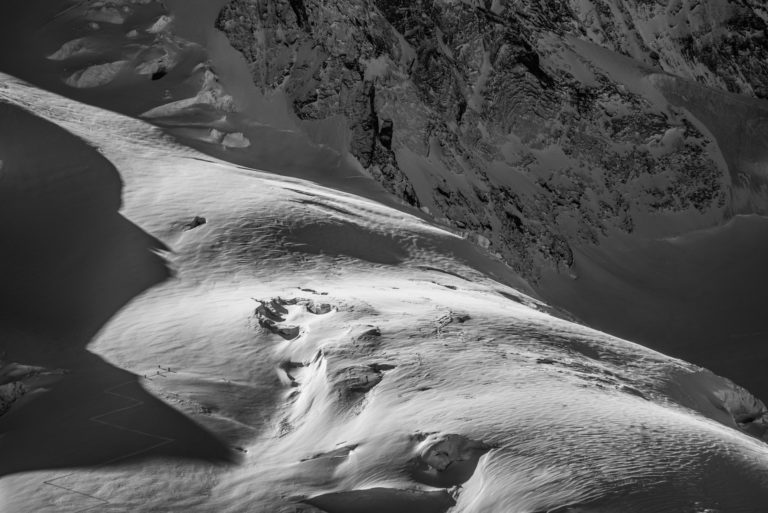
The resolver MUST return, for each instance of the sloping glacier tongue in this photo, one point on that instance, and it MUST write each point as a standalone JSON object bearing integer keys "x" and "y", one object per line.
{"x": 355, "y": 357}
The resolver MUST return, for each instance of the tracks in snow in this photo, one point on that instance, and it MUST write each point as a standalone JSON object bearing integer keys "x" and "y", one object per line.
{"x": 160, "y": 441}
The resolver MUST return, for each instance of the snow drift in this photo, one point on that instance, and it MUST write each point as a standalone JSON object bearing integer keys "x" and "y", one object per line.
{"x": 347, "y": 355}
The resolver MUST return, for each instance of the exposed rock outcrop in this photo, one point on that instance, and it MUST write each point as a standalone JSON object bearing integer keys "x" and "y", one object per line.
{"x": 18, "y": 380}
{"x": 9, "y": 393}
{"x": 507, "y": 119}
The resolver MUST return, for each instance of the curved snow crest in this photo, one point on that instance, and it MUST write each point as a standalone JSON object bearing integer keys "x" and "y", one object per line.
{"x": 123, "y": 139}
{"x": 385, "y": 369}
{"x": 96, "y": 75}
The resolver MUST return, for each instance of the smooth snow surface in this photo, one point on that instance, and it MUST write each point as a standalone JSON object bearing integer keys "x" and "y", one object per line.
{"x": 689, "y": 296}
{"x": 263, "y": 343}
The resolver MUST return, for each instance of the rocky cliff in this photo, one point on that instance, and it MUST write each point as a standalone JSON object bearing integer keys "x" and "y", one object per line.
{"x": 531, "y": 126}
{"x": 534, "y": 128}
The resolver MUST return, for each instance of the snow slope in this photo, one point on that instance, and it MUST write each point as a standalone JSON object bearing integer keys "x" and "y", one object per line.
{"x": 572, "y": 138}
{"x": 700, "y": 296}
{"x": 166, "y": 63}
{"x": 541, "y": 194}
{"x": 289, "y": 347}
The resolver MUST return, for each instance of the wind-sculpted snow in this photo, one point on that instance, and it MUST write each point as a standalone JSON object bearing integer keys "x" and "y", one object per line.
{"x": 357, "y": 359}
{"x": 548, "y": 133}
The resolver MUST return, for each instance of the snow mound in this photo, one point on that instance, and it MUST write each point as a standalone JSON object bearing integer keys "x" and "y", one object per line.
{"x": 75, "y": 48}
{"x": 235, "y": 140}
{"x": 96, "y": 75}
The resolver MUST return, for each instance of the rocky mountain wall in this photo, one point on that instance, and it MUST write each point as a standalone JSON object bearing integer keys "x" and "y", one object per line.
{"x": 530, "y": 125}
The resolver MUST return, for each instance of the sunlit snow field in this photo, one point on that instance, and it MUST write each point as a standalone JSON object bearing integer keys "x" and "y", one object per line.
{"x": 204, "y": 336}
{"x": 342, "y": 353}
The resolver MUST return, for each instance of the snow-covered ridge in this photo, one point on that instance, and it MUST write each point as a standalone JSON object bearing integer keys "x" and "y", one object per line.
{"x": 560, "y": 136}
{"x": 350, "y": 354}
{"x": 238, "y": 340}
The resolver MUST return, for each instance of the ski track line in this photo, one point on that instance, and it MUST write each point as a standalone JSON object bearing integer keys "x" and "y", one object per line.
{"x": 98, "y": 418}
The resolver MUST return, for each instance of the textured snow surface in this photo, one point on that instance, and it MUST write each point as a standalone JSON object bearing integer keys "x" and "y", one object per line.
{"x": 326, "y": 351}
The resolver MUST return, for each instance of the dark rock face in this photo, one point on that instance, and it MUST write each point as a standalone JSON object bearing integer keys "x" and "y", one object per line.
{"x": 719, "y": 44}
{"x": 507, "y": 120}
{"x": 9, "y": 393}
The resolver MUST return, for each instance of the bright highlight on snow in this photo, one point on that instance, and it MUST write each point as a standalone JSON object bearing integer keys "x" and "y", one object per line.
{"x": 182, "y": 329}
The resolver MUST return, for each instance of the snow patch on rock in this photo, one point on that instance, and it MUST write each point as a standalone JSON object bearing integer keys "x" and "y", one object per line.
{"x": 211, "y": 93}
{"x": 75, "y": 48}
{"x": 162, "y": 24}
{"x": 97, "y": 75}
{"x": 235, "y": 140}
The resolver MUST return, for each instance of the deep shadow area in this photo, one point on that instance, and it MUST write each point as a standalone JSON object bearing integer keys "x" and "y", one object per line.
{"x": 68, "y": 262}
{"x": 457, "y": 473}
{"x": 449, "y": 462}
{"x": 700, "y": 297}
{"x": 384, "y": 500}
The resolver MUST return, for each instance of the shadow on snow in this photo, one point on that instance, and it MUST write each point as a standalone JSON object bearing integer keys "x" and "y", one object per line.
{"x": 68, "y": 262}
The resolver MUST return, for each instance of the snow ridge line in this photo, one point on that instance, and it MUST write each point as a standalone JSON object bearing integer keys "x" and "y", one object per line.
{"x": 98, "y": 418}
